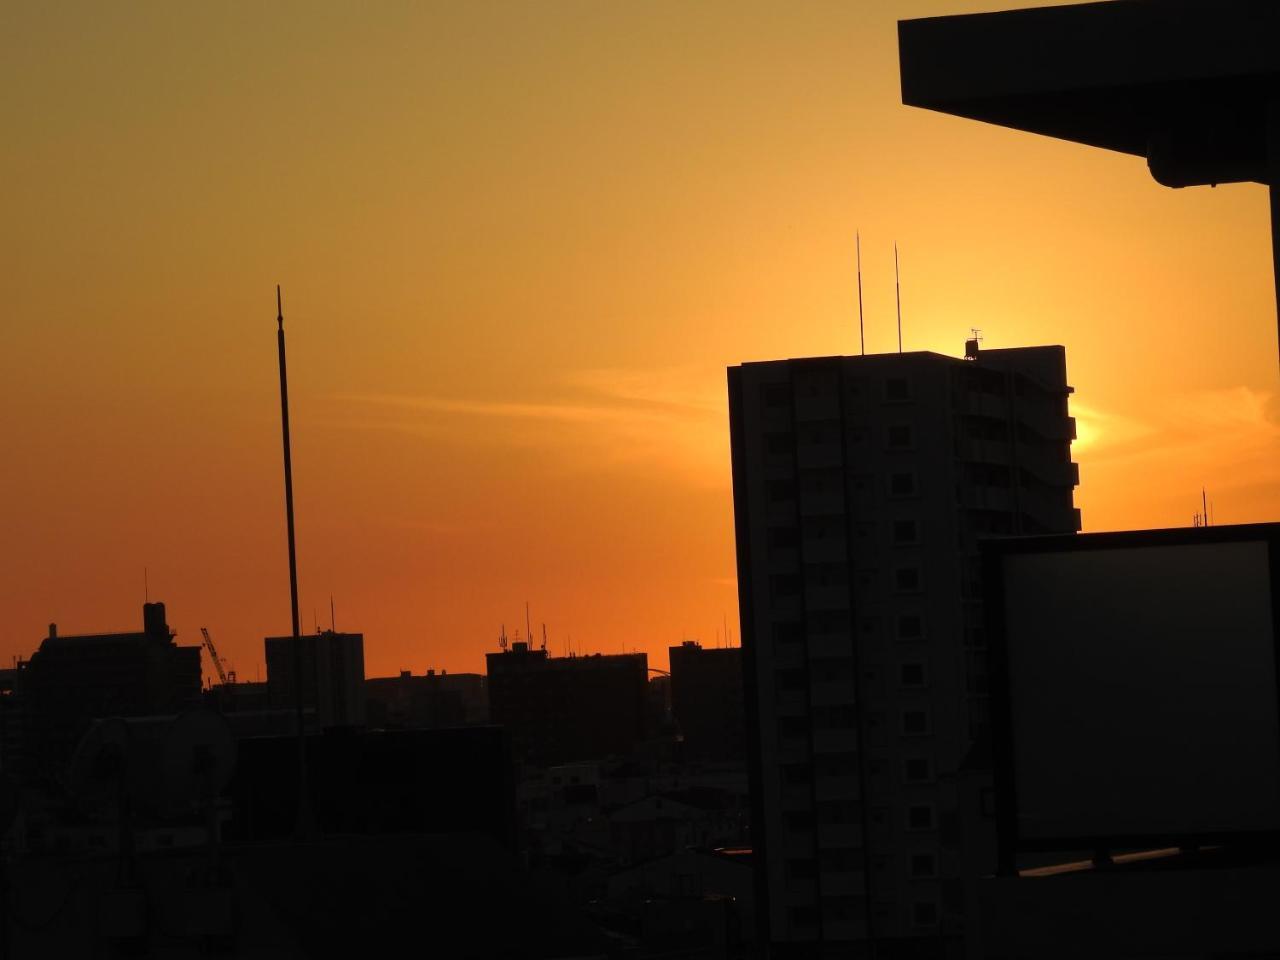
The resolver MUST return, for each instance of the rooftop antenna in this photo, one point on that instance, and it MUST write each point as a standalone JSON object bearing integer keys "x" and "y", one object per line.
{"x": 862, "y": 332}
{"x": 897, "y": 289}
{"x": 528, "y": 630}
{"x": 502, "y": 637}
{"x": 1204, "y": 506}
{"x": 304, "y": 824}
{"x": 544, "y": 636}
{"x": 973, "y": 344}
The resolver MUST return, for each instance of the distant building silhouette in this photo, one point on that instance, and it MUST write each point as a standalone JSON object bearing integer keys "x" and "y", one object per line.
{"x": 427, "y": 701}
{"x": 374, "y": 781}
{"x": 706, "y": 700}
{"x": 861, "y": 488}
{"x": 562, "y": 709}
{"x": 71, "y": 680}
{"x": 332, "y": 675}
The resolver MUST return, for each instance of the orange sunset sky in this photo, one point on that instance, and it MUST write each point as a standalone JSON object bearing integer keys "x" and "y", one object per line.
{"x": 519, "y": 244}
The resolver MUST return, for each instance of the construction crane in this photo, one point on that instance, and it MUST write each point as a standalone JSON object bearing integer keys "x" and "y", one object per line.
{"x": 226, "y": 676}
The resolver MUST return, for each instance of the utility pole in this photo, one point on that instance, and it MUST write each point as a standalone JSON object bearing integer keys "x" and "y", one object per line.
{"x": 304, "y": 825}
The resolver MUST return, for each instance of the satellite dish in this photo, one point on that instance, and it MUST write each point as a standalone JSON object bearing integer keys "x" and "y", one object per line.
{"x": 196, "y": 760}
{"x": 99, "y": 768}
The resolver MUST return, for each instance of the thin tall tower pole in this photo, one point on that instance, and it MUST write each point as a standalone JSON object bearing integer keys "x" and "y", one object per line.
{"x": 862, "y": 332}
{"x": 295, "y": 640}
{"x": 897, "y": 290}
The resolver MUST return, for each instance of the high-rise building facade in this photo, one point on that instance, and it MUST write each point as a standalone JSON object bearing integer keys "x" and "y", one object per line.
{"x": 862, "y": 486}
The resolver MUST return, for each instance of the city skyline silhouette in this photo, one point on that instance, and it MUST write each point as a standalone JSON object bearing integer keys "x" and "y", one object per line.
{"x": 758, "y": 483}
{"x": 519, "y": 252}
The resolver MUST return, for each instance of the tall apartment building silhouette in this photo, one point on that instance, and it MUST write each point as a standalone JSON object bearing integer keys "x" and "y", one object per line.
{"x": 861, "y": 487}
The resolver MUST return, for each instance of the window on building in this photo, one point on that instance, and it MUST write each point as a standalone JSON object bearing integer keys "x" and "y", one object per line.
{"x": 784, "y": 584}
{"x": 907, "y": 579}
{"x": 784, "y": 537}
{"x": 906, "y": 532}
{"x": 782, "y": 489}
{"x": 789, "y": 727}
{"x": 796, "y": 773}
{"x": 800, "y": 821}
{"x": 829, "y": 621}
{"x": 912, "y": 674}
{"x": 917, "y": 770}
{"x": 916, "y": 723}
{"x": 839, "y": 811}
{"x": 831, "y": 670}
{"x": 920, "y": 816}
{"x": 775, "y": 394}
{"x": 804, "y": 916}
{"x": 922, "y": 866}
{"x": 987, "y": 801}
{"x": 910, "y": 626}
{"x": 835, "y": 716}
{"x": 869, "y": 625}
{"x": 790, "y": 679}
{"x": 902, "y": 484}
{"x": 924, "y": 913}
{"x": 897, "y": 390}
{"x": 843, "y": 859}
{"x": 802, "y": 867}
{"x": 787, "y": 633}
{"x": 899, "y": 437}
{"x": 779, "y": 443}
{"x": 836, "y": 764}
{"x": 839, "y": 909}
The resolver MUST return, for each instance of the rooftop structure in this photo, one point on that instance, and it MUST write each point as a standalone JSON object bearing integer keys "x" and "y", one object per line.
{"x": 1192, "y": 86}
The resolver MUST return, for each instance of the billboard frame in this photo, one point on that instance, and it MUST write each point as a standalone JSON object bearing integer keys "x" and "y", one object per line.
{"x": 994, "y": 552}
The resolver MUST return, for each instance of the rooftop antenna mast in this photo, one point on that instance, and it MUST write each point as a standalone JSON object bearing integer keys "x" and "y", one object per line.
{"x": 1204, "y": 506}
{"x": 862, "y": 331}
{"x": 303, "y": 825}
{"x": 528, "y": 629}
{"x": 897, "y": 290}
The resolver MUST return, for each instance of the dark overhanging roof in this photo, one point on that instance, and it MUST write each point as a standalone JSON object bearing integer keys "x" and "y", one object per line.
{"x": 1184, "y": 83}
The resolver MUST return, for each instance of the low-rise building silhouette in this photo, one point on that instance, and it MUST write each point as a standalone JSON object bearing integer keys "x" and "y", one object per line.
{"x": 426, "y": 701}
{"x": 562, "y": 709}
{"x": 706, "y": 701}
{"x": 861, "y": 487}
{"x": 71, "y": 680}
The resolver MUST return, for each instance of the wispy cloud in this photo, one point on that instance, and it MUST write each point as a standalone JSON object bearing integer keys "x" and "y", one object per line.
{"x": 1228, "y": 439}
{"x": 670, "y": 419}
